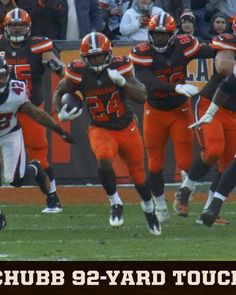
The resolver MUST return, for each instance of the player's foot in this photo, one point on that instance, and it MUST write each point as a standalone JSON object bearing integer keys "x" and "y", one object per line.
{"x": 218, "y": 221}
{"x": 161, "y": 209}
{"x": 41, "y": 177}
{"x": 154, "y": 226}
{"x": 53, "y": 204}
{"x": 208, "y": 217}
{"x": 3, "y": 222}
{"x": 116, "y": 216}
{"x": 181, "y": 201}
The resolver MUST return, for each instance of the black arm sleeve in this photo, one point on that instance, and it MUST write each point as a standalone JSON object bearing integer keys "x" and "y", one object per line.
{"x": 152, "y": 83}
{"x": 228, "y": 85}
{"x": 205, "y": 51}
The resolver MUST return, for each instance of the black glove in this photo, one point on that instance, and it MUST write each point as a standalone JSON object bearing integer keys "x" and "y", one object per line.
{"x": 54, "y": 66}
{"x": 66, "y": 136}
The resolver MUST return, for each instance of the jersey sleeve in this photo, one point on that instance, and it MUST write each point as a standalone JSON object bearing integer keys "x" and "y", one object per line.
{"x": 41, "y": 44}
{"x": 122, "y": 64}
{"x": 74, "y": 72}
{"x": 224, "y": 42}
{"x": 189, "y": 44}
{"x": 140, "y": 55}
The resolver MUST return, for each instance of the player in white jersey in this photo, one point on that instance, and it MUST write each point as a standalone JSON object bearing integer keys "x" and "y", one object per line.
{"x": 15, "y": 169}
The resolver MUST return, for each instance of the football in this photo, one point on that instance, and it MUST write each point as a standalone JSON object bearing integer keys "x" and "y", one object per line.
{"x": 72, "y": 100}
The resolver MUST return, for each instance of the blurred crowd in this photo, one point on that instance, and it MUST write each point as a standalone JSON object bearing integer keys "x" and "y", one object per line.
{"x": 122, "y": 19}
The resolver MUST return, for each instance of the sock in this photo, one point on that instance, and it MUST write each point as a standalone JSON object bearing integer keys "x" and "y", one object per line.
{"x": 209, "y": 199}
{"x": 198, "y": 169}
{"x": 148, "y": 206}
{"x": 161, "y": 202}
{"x": 108, "y": 180}
{"x": 115, "y": 199}
{"x": 144, "y": 191}
{"x": 52, "y": 187}
{"x": 49, "y": 173}
{"x": 156, "y": 182}
{"x": 215, "y": 205}
{"x": 188, "y": 183}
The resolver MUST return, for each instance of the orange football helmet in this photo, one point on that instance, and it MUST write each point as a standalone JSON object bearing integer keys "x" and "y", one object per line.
{"x": 17, "y": 25}
{"x": 95, "y": 51}
{"x": 162, "y": 29}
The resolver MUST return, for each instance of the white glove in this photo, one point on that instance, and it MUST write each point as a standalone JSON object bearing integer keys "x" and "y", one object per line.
{"x": 186, "y": 89}
{"x": 207, "y": 117}
{"x": 116, "y": 77}
{"x": 64, "y": 115}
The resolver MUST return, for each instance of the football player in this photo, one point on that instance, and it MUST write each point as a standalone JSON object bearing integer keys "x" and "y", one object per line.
{"x": 106, "y": 82}
{"x": 161, "y": 64}
{"x": 14, "y": 100}
{"x": 218, "y": 139}
{"x": 28, "y": 57}
{"x": 225, "y": 92}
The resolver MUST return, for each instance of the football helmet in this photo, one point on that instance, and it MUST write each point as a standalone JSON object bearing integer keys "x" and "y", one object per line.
{"x": 95, "y": 51}
{"x": 161, "y": 31}
{"x": 4, "y": 75}
{"x": 234, "y": 24}
{"x": 17, "y": 25}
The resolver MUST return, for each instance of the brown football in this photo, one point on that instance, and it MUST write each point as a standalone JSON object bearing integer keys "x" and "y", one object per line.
{"x": 72, "y": 100}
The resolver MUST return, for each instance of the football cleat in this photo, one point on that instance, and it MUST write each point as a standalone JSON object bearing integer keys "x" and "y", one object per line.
{"x": 3, "y": 222}
{"x": 116, "y": 216}
{"x": 154, "y": 226}
{"x": 208, "y": 217}
{"x": 53, "y": 204}
{"x": 180, "y": 205}
{"x": 41, "y": 177}
{"x": 218, "y": 221}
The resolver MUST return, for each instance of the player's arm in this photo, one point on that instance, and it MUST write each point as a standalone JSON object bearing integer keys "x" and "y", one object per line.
{"x": 225, "y": 61}
{"x": 52, "y": 62}
{"x": 133, "y": 87}
{"x": 44, "y": 119}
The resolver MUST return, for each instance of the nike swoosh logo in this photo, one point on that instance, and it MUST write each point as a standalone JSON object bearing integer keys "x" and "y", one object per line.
{"x": 133, "y": 128}
{"x": 184, "y": 110}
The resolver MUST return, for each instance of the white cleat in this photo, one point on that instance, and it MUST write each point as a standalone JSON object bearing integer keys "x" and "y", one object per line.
{"x": 52, "y": 210}
{"x": 116, "y": 217}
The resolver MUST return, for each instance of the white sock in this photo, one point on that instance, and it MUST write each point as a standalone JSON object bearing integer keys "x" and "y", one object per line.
{"x": 219, "y": 196}
{"x": 52, "y": 186}
{"x": 115, "y": 199}
{"x": 148, "y": 206}
{"x": 161, "y": 202}
{"x": 188, "y": 183}
{"x": 209, "y": 199}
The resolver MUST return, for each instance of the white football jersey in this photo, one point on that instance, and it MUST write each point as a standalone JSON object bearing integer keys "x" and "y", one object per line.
{"x": 8, "y": 109}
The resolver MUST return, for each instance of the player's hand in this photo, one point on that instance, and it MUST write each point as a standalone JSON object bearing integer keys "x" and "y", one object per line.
{"x": 71, "y": 115}
{"x": 68, "y": 137}
{"x": 116, "y": 77}
{"x": 53, "y": 65}
{"x": 205, "y": 119}
{"x": 186, "y": 89}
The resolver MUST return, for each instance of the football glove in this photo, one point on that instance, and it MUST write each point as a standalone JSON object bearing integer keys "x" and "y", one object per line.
{"x": 71, "y": 115}
{"x": 116, "y": 77}
{"x": 186, "y": 89}
{"x": 207, "y": 117}
{"x": 53, "y": 65}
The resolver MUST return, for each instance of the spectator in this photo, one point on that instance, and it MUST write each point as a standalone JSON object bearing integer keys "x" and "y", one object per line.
{"x": 135, "y": 20}
{"x": 187, "y": 23}
{"x": 199, "y": 11}
{"x": 219, "y": 24}
{"x": 48, "y": 17}
{"x": 112, "y": 11}
{"x": 83, "y": 17}
{"x": 174, "y": 7}
{"x": 5, "y": 6}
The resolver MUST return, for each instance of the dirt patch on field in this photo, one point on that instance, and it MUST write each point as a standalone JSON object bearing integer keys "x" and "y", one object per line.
{"x": 80, "y": 195}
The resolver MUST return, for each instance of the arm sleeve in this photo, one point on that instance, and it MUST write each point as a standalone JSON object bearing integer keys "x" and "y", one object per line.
{"x": 205, "y": 51}
{"x": 228, "y": 85}
{"x": 152, "y": 83}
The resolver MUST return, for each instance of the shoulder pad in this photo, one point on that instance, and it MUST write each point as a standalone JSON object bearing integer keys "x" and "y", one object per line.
{"x": 122, "y": 64}
{"x": 189, "y": 44}
{"x": 141, "y": 54}
{"x": 224, "y": 42}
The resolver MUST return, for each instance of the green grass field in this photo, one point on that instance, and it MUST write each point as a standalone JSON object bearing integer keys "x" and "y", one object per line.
{"x": 82, "y": 233}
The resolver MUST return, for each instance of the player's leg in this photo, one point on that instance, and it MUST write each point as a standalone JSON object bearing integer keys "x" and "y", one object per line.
{"x": 131, "y": 149}
{"x": 37, "y": 148}
{"x": 15, "y": 170}
{"x": 105, "y": 147}
{"x": 226, "y": 185}
{"x": 155, "y": 134}
{"x": 211, "y": 140}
